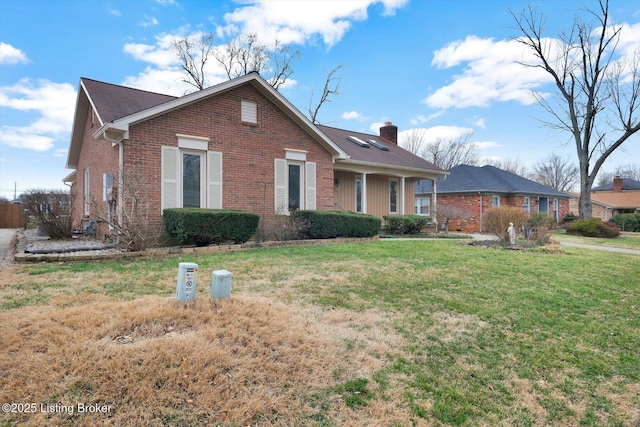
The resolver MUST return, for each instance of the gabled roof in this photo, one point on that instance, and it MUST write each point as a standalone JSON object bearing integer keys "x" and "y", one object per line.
{"x": 113, "y": 102}
{"x": 626, "y": 200}
{"x": 119, "y": 107}
{"x": 627, "y": 184}
{"x": 390, "y": 156}
{"x": 487, "y": 179}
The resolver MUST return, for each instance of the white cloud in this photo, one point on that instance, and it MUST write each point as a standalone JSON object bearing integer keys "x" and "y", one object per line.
{"x": 435, "y": 133}
{"x": 166, "y": 2}
{"x": 421, "y": 119}
{"x": 54, "y": 104}
{"x": 11, "y": 55}
{"x": 490, "y": 72}
{"x": 353, "y": 115}
{"x": 297, "y": 22}
{"x": 112, "y": 11}
{"x": 483, "y": 145}
{"x": 149, "y": 21}
{"x": 481, "y": 123}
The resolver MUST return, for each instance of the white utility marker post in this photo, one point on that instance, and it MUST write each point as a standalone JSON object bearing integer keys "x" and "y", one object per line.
{"x": 187, "y": 280}
{"x": 221, "y": 284}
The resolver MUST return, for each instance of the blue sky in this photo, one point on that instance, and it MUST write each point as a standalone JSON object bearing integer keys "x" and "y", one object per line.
{"x": 446, "y": 67}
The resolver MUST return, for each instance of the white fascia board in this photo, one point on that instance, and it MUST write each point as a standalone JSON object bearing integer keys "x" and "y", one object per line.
{"x": 379, "y": 168}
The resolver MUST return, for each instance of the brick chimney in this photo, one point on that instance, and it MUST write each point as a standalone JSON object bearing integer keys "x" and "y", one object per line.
{"x": 617, "y": 184}
{"x": 389, "y": 132}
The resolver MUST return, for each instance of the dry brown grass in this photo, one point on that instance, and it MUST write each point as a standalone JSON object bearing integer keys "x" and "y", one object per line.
{"x": 154, "y": 361}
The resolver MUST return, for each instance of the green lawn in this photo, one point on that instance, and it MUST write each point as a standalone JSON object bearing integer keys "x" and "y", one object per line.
{"x": 481, "y": 336}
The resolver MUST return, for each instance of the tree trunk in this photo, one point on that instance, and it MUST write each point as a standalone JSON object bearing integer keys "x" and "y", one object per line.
{"x": 584, "y": 205}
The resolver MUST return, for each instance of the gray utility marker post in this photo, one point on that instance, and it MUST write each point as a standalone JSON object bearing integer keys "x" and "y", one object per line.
{"x": 221, "y": 284}
{"x": 187, "y": 281}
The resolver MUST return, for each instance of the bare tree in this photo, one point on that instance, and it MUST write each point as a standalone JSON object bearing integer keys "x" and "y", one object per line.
{"x": 599, "y": 98}
{"x": 555, "y": 172}
{"x": 331, "y": 87}
{"x": 245, "y": 54}
{"x": 52, "y": 211}
{"x": 629, "y": 171}
{"x": 193, "y": 56}
{"x": 442, "y": 152}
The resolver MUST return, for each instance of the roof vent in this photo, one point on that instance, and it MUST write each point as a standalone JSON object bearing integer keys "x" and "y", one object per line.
{"x": 358, "y": 141}
{"x": 377, "y": 145}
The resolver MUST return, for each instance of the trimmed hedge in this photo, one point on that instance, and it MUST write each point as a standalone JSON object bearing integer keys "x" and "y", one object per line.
{"x": 332, "y": 224}
{"x": 405, "y": 224}
{"x": 210, "y": 226}
{"x": 627, "y": 222}
{"x": 593, "y": 227}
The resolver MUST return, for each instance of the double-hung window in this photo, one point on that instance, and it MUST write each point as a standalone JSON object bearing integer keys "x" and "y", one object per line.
{"x": 527, "y": 204}
{"x": 295, "y": 182}
{"x": 495, "y": 201}
{"x": 423, "y": 206}
{"x": 191, "y": 175}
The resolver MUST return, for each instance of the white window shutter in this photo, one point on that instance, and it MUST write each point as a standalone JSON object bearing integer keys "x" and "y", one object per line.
{"x": 280, "y": 186}
{"x": 214, "y": 180}
{"x": 169, "y": 171}
{"x": 310, "y": 179}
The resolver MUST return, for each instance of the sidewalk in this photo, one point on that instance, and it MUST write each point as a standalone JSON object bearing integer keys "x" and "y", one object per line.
{"x": 6, "y": 235}
{"x": 602, "y": 248}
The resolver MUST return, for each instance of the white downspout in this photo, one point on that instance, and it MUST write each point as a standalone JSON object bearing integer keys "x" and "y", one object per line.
{"x": 480, "y": 211}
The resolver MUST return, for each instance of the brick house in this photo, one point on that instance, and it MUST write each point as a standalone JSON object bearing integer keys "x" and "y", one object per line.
{"x": 472, "y": 190}
{"x": 236, "y": 145}
{"x": 622, "y": 195}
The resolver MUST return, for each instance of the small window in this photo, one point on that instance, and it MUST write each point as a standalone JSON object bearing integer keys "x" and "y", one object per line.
{"x": 423, "y": 206}
{"x": 249, "y": 112}
{"x": 393, "y": 196}
{"x": 556, "y": 207}
{"x": 527, "y": 204}
{"x": 87, "y": 192}
{"x": 495, "y": 201}
{"x": 358, "y": 194}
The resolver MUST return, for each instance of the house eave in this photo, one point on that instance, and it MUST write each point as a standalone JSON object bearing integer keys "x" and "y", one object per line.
{"x": 360, "y": 166}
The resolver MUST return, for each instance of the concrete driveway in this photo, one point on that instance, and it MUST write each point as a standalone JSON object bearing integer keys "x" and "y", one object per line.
{"x": 6, "y": 234}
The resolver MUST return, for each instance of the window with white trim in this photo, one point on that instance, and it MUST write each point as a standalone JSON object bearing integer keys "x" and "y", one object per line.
{"x": 527, "y": 204}
{"x": 295, "y": 183}
{"x": 191, "y": 177}
{"x": 393, "y": 195}
{"x": 556, "y": 207}
{"x": 87, "y": 192}
{"x": 495, "y": 201}
{"x": 423, "y": 206}
{"x": 359, "y": 194}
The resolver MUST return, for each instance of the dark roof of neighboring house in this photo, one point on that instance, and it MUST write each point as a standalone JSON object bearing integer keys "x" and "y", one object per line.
{"x": 113, "y": 102}
{"x": 627, "y": 184}
{"x": 487, "y": 179}
{"x": 393, "y": 155}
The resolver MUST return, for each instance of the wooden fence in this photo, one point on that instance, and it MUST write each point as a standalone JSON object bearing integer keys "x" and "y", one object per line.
{"x": 11, "y": 216}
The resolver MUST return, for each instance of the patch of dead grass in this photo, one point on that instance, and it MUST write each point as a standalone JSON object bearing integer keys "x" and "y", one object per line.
{"x": 155, "y": 361}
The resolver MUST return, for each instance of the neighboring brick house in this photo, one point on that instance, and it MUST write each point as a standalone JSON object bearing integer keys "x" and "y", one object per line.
{"x": 473, "y": 190}
{"x": 237, "y": 145}
{"x": 622, "y": 195}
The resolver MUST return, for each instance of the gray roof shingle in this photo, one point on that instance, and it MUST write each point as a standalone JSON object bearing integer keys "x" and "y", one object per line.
{"x": 487, "y": 179}
{"x": 627, "y": 184}
{"x": 114, "y": 102}
{"x": 395, "y": 156}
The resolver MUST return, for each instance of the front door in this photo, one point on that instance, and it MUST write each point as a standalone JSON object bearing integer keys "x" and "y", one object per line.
{"x": 543, "y": 204}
